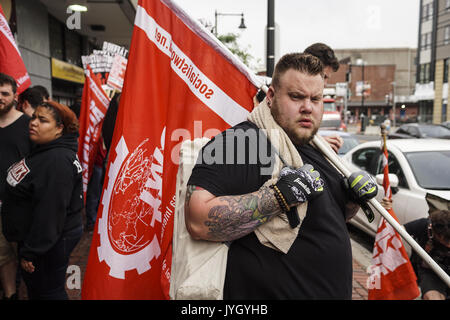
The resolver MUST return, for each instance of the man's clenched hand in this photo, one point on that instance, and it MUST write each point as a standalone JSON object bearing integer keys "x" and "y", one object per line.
{"x": 299, "y": 185}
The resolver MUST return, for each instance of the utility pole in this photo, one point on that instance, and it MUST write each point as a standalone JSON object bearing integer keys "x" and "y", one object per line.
{"x": 348, "y": 80}
{"x": 270, "y": 59}
{"x": 393, "y": 103}
{"x": 363, "y": 86}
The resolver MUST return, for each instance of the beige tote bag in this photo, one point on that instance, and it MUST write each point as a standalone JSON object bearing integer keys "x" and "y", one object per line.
{"x": 198, "y": 266}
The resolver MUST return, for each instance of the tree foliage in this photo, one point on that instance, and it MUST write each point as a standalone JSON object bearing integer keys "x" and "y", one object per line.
{"x": 230, "y": 40}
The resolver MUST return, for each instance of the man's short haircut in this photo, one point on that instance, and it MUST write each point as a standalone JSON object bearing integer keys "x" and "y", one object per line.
{"x": 43, "y": 91}
{"x": 33, "y": 97}
{"x": 302, "y": 62}
{"x": 325, "y": 54}
{"x": 6, "y": 79}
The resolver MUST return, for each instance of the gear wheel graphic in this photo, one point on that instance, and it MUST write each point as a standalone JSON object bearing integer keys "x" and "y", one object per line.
{"x": 117, "y": 262}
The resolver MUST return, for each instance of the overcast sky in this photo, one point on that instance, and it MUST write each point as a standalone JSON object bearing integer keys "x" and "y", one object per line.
{"x": 338, "y": 23}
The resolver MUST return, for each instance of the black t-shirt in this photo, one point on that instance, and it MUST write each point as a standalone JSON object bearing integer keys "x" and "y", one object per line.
{"x": 319, "y": 263}
{"x": 14, "y": 145}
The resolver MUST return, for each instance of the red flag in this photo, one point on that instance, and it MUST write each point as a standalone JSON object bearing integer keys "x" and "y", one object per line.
{"x": 11, "y": 62}
{"x": 392, "y": 276}
{"x": 94, "y": 104}
{"x": 180, "y": 84}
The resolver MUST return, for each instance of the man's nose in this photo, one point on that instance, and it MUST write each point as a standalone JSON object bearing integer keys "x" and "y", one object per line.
{"x": 306, "y": 106}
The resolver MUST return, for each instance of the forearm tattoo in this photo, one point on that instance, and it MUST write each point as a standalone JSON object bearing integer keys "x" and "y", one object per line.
{"x": 189, "y": 190}
{"x": 240, "y": 215}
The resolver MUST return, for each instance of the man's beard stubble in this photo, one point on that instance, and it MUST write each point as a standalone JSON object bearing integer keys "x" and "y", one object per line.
{"x": 7, "y": 108}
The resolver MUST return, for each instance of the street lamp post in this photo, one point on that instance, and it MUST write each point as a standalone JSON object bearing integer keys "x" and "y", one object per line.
{"x": 270, "y": 58}
{"x": 361, "y": 62}
{"x": 217, "y": 14}
{"x": 393, "y": 102}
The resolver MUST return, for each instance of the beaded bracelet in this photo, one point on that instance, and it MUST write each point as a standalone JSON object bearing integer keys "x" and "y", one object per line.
{"x": 279, "y": 196}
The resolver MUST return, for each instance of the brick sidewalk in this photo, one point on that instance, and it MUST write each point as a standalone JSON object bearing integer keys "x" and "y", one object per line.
{"x": 80, "y": 254}
{"x": 360, "y": 276}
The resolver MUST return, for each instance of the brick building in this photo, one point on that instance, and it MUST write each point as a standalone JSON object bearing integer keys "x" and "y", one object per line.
{"x": 388, "y": 75}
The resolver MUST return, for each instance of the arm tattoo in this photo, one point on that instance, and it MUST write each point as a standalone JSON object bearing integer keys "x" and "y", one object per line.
{"x": 189, "y": 191}
{"x": 240, "y": 215}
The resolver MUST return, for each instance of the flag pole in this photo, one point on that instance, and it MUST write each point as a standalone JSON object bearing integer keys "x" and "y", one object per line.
{"x": 338, "y": 163}
{"x": 342, "y": 167}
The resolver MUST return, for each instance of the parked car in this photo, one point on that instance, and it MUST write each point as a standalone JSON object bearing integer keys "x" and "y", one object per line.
{"x": 416, "y": 167}
{"x": 350, "y": 140}
{"x": 418, "y": 130}
{"x": 446, "y": 124}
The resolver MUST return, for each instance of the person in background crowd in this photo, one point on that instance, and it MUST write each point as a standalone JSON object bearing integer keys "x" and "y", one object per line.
{"x": 14, "y": 145}
{"x": 44, "y": 93}
{"x": 326, "y": 56}
{"x": 29, "y": 100}
{"x": 433, "y": 235}
{"x": 76, "y": 107}
{"x": 43, "y": 201}
{"x": 95, "y": 186}
{"x": 110, "y": 121}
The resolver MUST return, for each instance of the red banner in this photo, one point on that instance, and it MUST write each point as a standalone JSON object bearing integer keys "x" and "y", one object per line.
{"x": 11, "y": 62}
{"x": 392, "y": 276}
{"x": 94, "y": 103}
{"x": 179, "y": 84}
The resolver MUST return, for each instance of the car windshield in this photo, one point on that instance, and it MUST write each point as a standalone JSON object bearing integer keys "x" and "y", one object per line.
{"x": 435, "y": 131}
{"x": 431, "y": 168}
{"x": 349, "y": 143}
{"x": 329, "y": 107}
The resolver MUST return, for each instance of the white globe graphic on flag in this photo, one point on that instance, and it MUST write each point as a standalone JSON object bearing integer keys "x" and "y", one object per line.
{"x": 130, "y": 217}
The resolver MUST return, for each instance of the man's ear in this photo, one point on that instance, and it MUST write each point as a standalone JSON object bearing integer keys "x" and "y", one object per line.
{"x": 269, "y": 96}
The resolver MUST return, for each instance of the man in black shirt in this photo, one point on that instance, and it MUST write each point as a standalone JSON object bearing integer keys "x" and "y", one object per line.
{"x": 228, "y": 200}
{"x": 14, "y": 145}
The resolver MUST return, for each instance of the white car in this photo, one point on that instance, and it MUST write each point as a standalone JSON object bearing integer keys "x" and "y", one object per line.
{"x": 416, "y": 167}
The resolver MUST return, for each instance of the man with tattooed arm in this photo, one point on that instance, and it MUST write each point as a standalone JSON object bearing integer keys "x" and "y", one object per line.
{"x": 228, "y": 199}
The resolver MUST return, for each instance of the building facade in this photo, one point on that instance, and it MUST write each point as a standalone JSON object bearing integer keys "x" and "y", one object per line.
{"x": 378, "y": 78}
{"x": 51, "y": 47}
{"x": 433, "y": 58}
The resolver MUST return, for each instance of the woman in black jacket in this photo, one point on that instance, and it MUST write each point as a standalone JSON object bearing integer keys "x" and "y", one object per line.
{"x": 44, "y": 199}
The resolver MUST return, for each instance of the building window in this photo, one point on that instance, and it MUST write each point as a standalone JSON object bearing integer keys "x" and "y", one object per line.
{"x": 446, "y": 64}
{"x": 425, "y": 41}
{"x": 447, "y": 5}
{"x": 56, "y": 30}
{"x": 425, "y": 70}
{"x": 427, "y": 11}
{"x": 447, "y": 35}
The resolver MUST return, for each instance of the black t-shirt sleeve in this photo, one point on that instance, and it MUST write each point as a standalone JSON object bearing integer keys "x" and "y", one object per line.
{"x": 228, "y": 167}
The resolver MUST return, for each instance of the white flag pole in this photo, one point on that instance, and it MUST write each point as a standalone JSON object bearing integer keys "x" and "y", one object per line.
{"x": 337, "y": 161}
